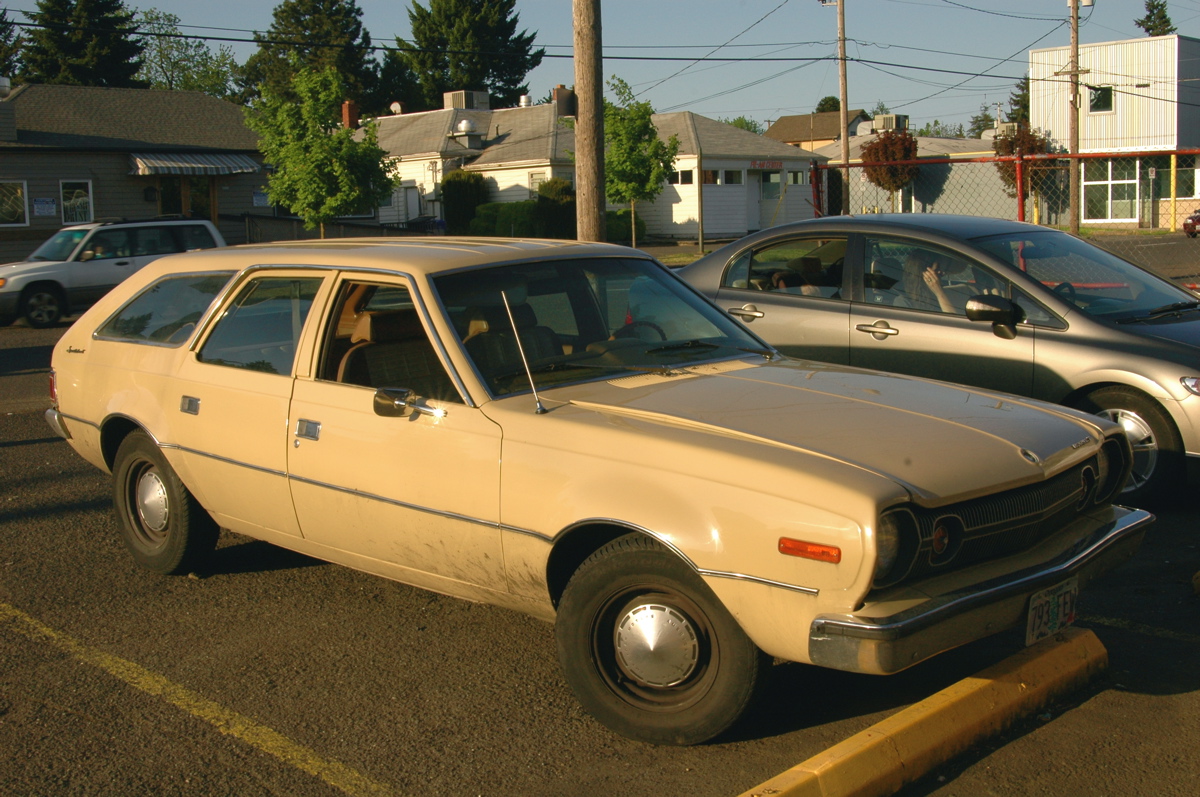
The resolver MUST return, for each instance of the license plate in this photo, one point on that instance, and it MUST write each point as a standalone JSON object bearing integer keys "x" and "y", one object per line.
{"x": 1051, "y": 610}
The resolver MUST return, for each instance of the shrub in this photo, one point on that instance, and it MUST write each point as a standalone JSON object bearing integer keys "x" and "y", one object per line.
{"x": 617, "y": 227}
{"x": 556, "y": 209}
{"x": 505, "y": 220}
{"x": 462, "y": 193}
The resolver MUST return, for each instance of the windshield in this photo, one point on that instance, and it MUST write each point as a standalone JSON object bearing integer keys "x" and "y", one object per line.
{"x": 60, "y": 246}
{"x": 1096, "y": 281}
{"x": 584, "y": 319}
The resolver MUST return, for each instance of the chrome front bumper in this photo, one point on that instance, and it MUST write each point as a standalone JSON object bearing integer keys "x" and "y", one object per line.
{"x": 883, "y": 645}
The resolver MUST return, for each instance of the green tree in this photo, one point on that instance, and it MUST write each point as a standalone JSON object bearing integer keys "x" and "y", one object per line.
{"x": 889, "y": 147}
{"x": 827, "y": 104}
{"x": 879, "y": 108}
{"x": 745, "y": 123}
{"x": 10, "y": 46}
{"x": 181, "y": 64}
{"x": 83, "y": 43}
{"x": 462, "y": 193}
{"x": 980, "y": 122}
{"x": 1156, "y": 22}
{"x": 315, "y": 34}
{"x": 637, "y": 161}
{"x": 939, "y": 129}
{"x": 1018, "y": 102}
{"x": 468, "y": 45}
{"x": 322, "y": 170}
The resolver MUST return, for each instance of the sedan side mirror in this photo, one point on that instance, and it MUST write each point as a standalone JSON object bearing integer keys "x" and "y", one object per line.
{"x": 1003, "y": 314}
{"x": 400, "y": 402}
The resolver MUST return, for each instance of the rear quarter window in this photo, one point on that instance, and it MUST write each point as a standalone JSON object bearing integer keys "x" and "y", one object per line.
{"x": 167, "y": 310}
{"x": 195, "y": 236}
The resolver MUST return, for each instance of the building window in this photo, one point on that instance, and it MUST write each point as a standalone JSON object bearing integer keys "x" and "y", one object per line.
{"x": 680, "y": 178}
{"x": 535, "y": 181}
{"x": 1110, "y": 189}
{"x": 710, "y": 177}
{"x": 76, "y": 201}
{"x": 733, "y": 177}
{"x": 14, "y": 204}
{"x": 1100, "y": 99}
{"x": 796, "y": 178}
{"x": 770, "y": 185}
{"x": 190, "y": 196}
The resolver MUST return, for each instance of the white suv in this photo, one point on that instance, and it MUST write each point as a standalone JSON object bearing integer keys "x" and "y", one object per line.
{"x": 81, "y": 263}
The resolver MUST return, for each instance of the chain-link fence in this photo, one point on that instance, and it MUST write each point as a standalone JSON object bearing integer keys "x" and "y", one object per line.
{"x": 1133, "y": 204}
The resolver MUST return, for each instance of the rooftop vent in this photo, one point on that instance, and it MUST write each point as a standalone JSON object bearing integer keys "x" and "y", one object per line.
{"x": 467, "y": 100}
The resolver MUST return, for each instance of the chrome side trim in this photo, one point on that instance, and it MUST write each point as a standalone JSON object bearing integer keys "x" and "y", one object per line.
{"x": 756, "y": 580}
{"x": 226, "y": 460}
{"x": 406, "y": 505}
{"x": 76, "y": 419}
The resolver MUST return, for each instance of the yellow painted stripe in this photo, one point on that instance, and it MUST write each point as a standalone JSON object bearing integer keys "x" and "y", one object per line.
{"x": 1139, "y": 628}
{"x": 226, "y": 721}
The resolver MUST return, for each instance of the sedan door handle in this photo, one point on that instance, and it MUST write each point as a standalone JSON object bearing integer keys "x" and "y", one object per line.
{"x": 309, "y": 430}
{"x": 746, "y": 311}
{"x": 879, "y": 330}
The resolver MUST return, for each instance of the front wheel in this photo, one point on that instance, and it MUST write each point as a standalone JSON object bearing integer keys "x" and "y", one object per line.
{"x": 1158, "y": 461}
{"x": 41, "y": 306}
{"x": 162, "y": 525}
{"x": 648, "y": 648}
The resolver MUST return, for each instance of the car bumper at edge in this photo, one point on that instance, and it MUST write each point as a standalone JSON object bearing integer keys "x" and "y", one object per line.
{"x": 882, "y": 645}
{"x": 55, "y": 419}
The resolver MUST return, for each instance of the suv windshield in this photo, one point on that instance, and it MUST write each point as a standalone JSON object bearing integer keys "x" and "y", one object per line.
{"x": 578, "y": 320}
{"x": 1096, "y": 281}
{"x": 60, "y": 246}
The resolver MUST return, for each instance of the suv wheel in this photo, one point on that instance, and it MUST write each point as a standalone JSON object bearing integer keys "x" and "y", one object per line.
{"x": 42, "y": 306}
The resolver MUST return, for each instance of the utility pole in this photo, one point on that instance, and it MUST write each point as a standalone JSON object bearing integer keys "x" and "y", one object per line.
{"x": 589, "y": 122}
{"x": 845, "y": 111}
{"x": 1073, "y": 121}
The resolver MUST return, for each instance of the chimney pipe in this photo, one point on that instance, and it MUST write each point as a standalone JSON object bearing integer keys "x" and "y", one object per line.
{"x": 350, "y": 114}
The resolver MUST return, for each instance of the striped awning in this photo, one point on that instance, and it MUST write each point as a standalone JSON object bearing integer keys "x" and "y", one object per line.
{"x": 191, "y": 163}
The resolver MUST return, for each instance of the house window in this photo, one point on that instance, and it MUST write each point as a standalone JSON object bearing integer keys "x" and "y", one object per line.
{"x": 770, "y": 185}
{"x": 535, "y": 181}
{"x": 1110, "y": 189}
{"x": 796, "y": 178}
{"x": 710, "y": 177}
{"x": 733, "y": 177}
{"x": 1100, "y": 99}
{"x": 680, "y": 178}
{"x": 76, "y": 201}
{"x": 14, "y": 204}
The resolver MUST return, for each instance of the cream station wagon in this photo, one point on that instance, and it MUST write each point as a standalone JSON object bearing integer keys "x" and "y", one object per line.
{"x": 570, "y": 430}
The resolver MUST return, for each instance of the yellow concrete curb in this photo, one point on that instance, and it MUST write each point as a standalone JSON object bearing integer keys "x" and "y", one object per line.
{"x": 907, "y": 745}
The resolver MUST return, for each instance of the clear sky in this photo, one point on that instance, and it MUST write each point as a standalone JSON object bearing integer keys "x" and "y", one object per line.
{"x": 931, "y": 59}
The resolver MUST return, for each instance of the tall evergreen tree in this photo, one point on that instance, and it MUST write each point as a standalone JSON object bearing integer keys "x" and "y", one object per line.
{"x": 980, "y": 122}
{"x": 1018, "y": 102}
{"x": 83, "y": 43}
{"x": 314, "y": 34}
{"x": 1156, "y": 22}
{"x": 183, "y": 64}
{"x": 10, "y": 46}
{"x": 469, "y": 45}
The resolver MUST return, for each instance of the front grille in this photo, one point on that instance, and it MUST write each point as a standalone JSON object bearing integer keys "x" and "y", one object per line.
{"x": 1002, "y": 524}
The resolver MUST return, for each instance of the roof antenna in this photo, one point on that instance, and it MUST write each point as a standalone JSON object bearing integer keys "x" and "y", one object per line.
{"x": 537, "y": 402}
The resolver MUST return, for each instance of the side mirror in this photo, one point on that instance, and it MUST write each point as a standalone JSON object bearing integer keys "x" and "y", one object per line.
{"x": 400, "y": 402}
{"x": 1003, "y": 314}
{"x": 86, "y": 255}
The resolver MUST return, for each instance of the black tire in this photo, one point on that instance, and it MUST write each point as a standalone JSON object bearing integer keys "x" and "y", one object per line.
{"x": 42, "y": 306}
{"x": 1158, "y": 461}
{"x": 5, "y": 320}
{"x": 162, "y": 525}
{"x": 684, "y": 693}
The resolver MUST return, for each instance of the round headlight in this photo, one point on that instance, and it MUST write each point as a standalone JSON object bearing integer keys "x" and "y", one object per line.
{"x": 896, "y": 544}
{"x": 887, "y": 544}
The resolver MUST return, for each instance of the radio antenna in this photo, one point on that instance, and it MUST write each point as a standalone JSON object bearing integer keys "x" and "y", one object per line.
{"x": 537, "y": 402}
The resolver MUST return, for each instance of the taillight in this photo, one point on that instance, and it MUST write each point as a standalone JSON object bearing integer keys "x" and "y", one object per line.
{"x": 53, "y": 389}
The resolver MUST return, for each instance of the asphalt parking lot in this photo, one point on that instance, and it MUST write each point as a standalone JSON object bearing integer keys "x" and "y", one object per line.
{"x": 272, "y": 673}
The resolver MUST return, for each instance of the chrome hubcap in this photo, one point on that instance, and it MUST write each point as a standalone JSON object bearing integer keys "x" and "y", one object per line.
{"x": 43, "y": 308}
{"x": 1141, "y": 439}
{"x": 152, "y": 505}
{"x": 656, "y": 645}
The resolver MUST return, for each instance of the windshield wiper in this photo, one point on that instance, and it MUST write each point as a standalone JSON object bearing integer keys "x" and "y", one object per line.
{"x": 1167, "y": 309}
{"x": 687, "y": 344}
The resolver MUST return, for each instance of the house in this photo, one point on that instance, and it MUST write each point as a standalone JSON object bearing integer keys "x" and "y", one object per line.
{"x": 941, "y": 187}
{"x": 812, "y": 131}
{"x": 727, "y": 181}
{"x": 1138, "y": 96}
{"x": 75, "y": 154}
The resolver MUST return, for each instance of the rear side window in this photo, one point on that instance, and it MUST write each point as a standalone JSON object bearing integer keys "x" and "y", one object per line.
{"x": 261, "y": 329}
{"x": 195, "y": 236}
{"x": 166, "y": 311}
{"x": 155, "y": 241}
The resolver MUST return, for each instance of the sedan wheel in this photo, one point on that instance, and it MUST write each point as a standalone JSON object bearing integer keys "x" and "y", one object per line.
{"x": 162, "y": 525}
{"x": 648, "y": 648}
{"x": 41, "y": 307}
{"x": 1157, "y": 447}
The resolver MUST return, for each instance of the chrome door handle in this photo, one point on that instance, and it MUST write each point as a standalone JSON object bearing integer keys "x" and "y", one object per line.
{"x": 879, "y": 330}
{"x": 746, "y": 311}
{"x": 309, "y": 430}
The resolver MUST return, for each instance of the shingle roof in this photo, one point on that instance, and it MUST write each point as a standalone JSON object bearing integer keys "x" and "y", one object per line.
{"x": 927, "y": 147}
{"x": 147, "y": 120}
{"x": 811, "y": 126}
{"x": 699, "y": 135}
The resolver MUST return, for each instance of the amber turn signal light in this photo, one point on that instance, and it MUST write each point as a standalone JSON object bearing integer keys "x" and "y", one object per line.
{"x": 810, "y": 550}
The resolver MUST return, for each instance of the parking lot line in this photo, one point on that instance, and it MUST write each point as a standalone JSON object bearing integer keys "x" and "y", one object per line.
{"x": 226, "y": 721}
{"x": 910, "y": 743}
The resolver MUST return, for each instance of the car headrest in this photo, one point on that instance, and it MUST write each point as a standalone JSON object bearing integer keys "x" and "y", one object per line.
{"x": 387, "y": 326}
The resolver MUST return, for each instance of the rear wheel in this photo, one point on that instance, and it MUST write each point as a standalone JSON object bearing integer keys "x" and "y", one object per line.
{"x": 648, "y": 648}
{"x": 162, "y": 525}
{"x": 1158, "y": 461}
{"x": 42, "y": 306}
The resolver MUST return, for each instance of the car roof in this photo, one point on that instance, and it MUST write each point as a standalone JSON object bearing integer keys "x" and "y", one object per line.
{"x": 946, "y": 224}
{"x": 424, "y": 255}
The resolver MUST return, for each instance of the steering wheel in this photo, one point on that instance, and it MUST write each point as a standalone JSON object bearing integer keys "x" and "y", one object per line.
{"x": 1066, "y": 290}
{"x": 629, "y": 330}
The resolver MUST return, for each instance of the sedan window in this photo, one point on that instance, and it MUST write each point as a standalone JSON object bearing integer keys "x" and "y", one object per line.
{"x": 261, "y": 329}
{"x": 166, "y": 311}
{"x": 908, "y": 274}
{"x": 803, "y": 266}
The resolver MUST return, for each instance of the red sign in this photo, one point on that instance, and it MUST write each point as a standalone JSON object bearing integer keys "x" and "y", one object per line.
{"x": 766, "y": 164}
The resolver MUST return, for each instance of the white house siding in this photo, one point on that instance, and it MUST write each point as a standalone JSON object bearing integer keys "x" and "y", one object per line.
{"x": 415, "y": 173}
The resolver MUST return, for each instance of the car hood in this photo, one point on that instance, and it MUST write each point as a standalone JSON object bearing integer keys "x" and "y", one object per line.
{"x": 942, "y": 442}
{"x": 1184, "y": 328}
